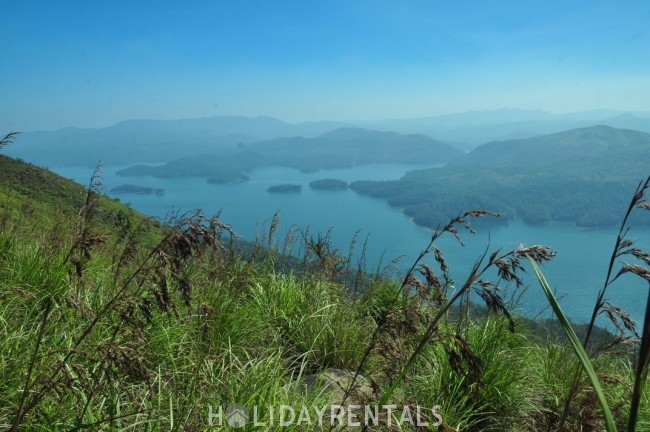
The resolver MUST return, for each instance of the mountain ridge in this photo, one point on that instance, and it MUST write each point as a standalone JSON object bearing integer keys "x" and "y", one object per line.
{"x": 573, "y": 146}
{"x": 470, "y": 134}
{"x": 138, "y": 141}
{"x": 150, "y": 140}
{"x": 343, "y": 147}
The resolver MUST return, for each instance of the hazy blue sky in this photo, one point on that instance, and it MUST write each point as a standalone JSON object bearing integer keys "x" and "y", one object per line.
{"x": 91, "y": 63}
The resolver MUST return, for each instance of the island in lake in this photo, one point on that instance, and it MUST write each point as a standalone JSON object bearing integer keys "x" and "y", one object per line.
{"x": 329, "y": 184}
{"x": 285, "y": 188}
{"x": 135, "y": 189}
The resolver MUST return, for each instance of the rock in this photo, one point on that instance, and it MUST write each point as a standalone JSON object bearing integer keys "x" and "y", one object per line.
{"x": 336, "y": 382}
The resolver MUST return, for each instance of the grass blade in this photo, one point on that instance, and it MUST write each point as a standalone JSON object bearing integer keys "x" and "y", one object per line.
{"x": 577, "y": 348}
{"x": 641, "y": 372}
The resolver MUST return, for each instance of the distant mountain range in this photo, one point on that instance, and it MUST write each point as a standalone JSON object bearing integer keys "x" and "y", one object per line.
{"x": 136, "y": 141}
{"x": 343, "y": 147}
{"x": 146, "y": 141}
{"x": 471, "y": 129}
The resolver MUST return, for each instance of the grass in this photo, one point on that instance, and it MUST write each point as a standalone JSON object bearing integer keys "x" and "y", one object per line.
{"x": 579, "y": 350}
{"x": 623, "y": 248}
{"x": 110, "y": 322}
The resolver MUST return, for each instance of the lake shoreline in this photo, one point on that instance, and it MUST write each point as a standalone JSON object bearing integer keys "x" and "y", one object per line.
{"x": 577, "y": 272}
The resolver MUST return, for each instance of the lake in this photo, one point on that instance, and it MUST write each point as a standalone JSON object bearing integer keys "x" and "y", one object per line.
{"x": 577, "y": 273}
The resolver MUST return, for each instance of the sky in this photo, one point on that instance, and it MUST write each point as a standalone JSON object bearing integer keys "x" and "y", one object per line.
{"x": 92, "y": 64}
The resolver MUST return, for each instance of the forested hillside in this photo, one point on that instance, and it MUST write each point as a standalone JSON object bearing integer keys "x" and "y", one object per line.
{"x": 580, "y": 176}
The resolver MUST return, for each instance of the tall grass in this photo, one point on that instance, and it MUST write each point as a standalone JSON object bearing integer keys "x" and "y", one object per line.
{"x": 622, "y": 248}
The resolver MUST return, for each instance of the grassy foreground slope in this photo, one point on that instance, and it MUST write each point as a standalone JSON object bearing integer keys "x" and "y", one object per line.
{"x": 109, "y": 323}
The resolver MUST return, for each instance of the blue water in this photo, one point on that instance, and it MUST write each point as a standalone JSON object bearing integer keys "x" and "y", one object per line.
{"x": 576, "y": 273}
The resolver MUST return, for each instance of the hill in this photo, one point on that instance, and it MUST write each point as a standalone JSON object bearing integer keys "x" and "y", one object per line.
{"x": 343, "y": 147}
{"x": 581, "y": 176}
{"x": 594, "y": 149}
{"x": 141, "y": 141}
{"x": 46, "y": 200}
{"x": 360, "y": 146}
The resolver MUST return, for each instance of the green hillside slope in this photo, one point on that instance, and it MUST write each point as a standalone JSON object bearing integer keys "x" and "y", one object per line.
{"x": 40, "y": 198}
